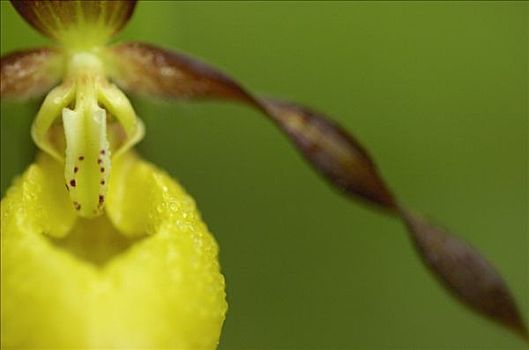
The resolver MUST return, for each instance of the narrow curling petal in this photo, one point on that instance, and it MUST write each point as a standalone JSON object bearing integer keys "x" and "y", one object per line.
{"x": 30, "y": 73}
{"x": 465, "y": 273}
{"x": 145, "y": 69}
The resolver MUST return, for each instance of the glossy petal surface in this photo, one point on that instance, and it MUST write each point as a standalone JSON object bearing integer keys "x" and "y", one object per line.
{"x": 79, "y": 283}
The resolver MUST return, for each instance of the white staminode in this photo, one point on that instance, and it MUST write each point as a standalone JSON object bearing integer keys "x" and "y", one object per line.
{"x": 86, "y": 99}
{"x": 87, "y": 163}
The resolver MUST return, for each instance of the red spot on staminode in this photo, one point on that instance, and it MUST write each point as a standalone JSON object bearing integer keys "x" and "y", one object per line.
{"x": 76, "y": 169}
{"x": 77, "y": 205}
{"x": 102, "y": 169}
{"x": 102, "y": 182}
{"x": 101, "y": 199}
{"x": 99, "y": 161}
{"x": 73, "y": 183}
{"x": 103, "y": 151}
{"x": 81, "y": 158}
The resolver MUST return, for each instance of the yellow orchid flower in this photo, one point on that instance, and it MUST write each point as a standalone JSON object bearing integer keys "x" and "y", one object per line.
{"x": 102, "y": 250}
{"x": 144, "y": 272}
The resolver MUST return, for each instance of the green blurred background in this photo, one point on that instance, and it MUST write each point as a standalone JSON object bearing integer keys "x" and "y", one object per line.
{"x": 438, "y": 92}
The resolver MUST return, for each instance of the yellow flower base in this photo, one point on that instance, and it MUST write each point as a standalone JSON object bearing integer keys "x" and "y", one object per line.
{"x": 143, "y": 275}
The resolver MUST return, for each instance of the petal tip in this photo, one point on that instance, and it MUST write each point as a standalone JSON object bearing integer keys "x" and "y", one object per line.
{"x": 465, "y": 273}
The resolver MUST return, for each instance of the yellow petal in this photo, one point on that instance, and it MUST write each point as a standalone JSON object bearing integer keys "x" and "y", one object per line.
{"x": 145, "y": 276}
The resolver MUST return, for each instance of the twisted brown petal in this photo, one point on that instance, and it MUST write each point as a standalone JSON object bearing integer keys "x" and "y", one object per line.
{"x": 30, "y": 73}
{"x": 331, "y": 151}
{"x": 142, "y": 68}
{"x": 54, "y": 17}
{"x": 465, "y": 273}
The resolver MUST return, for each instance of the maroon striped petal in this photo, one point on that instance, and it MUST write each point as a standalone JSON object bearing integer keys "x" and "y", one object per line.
{"x": 31, "y": 73}
{"x": 54, "y": 18}
{"x": 145, "y": 69}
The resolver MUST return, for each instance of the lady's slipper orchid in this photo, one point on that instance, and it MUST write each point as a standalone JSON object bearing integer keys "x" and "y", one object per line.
{"x": 144, "y": 273}
{"x": 121, "y": 248}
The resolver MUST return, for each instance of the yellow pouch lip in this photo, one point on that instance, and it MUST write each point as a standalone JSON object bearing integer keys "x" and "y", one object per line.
{"x": 163, "y": 290}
